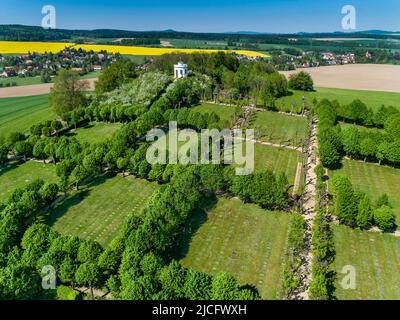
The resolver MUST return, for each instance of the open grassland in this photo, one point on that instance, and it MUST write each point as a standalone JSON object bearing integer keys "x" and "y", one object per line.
{"x": 27, "y": 81}
{"x": 374, "y": 180}
{"x": 373, "y": 99}
{"x": 41, "y": 47}
{"x": 224, "y": 112}
{"x": 277, "y": 160}
{"x": 376, "y": 258}
{"x": 18, "y": 174}
{"x": 19, "y": 114}
{"x": 242, "y": 239}
{"x": 95, "y": 132}
{"x": 372, "y": 77}
{"x": 278, "y": 128}
{"x": 99, "y": 209}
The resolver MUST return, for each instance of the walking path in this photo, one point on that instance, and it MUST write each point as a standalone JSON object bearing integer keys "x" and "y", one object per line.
{"x": 308, "y": 207}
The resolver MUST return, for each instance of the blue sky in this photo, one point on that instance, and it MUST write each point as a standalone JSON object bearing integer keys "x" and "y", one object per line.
{"x": 206, "y": 15}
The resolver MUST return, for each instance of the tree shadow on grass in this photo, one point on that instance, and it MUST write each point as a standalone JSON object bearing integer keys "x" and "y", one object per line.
{"x": 72, "y": 200}
{"x": 196, "y": 219}
{"x": 10, "y": 166}
{"x": 63, "y": 207}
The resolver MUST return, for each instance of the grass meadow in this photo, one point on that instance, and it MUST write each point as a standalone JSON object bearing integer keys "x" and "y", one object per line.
{"x": 243, "y": 239}
{"x": 19, "y": 114}
{"x": 224, "y": 112}
{"x": 99, "y": 209}
{"x": 18, "y": 174}
{"x": 376, "y": 258}
{"x": 95, "y": 132}
{"x": 279, "y": 128}
{"x": 374, "y": 180}
{"x": 373, "y": 99}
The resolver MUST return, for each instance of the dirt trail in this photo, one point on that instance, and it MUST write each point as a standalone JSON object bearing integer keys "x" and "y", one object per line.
{"x": 309, "y": 203}
{"x": 297, "y": 179}
{"x": 35, "y": 89}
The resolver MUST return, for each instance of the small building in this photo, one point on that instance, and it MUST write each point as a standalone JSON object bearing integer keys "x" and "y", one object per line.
{"x": 181, "y": 70}
{"x": 97, "y": 67}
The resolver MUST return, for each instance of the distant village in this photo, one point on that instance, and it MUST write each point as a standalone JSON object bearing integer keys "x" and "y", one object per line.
{"x": 311, "y": 59}
{"x": 47, "y": 64}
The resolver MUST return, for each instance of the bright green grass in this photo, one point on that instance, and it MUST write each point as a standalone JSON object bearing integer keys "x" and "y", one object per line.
{"x": 373, "y": 99}
{"x": 19, "y": 114}
{"x": 27, "y": 81}
{"x": 374, "y": 180}
{"x": 278, "y": 128}
{"x": 242, "y": 239}
{"x": 224, "y": 112}
{"x": 277, "y": 159}
{"x": 96, "y": 132}
{"x": 98, "y": 210}
{"x": 376, "y": 258}
{"x": 18, "y": 174}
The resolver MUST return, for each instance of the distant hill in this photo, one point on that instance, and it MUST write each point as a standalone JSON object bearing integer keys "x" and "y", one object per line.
{"x": 35, "y": 33}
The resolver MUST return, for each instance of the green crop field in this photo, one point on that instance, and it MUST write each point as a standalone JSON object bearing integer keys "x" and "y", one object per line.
{"x": 18, "y": 174}
{"x": 374, "y": 180}
{"x": 278, "y": 128}
{"x": 373, "y": 99}
{"x": 26, "y": 81}
{"x": 19, "y": 114}
{"x": 96, "y": 132}
{"x": 376, "y": 258}
{"x": 99, "y": 209}
{"x": 242, "y": 239}
{"x": 224, "y": 112}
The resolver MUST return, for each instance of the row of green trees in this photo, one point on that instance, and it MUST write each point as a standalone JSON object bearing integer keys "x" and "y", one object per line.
{"x": 291, "y": 277}
{"x": 17, "y": 279}
{"x": 322, "y": 245}
{"x": 356, "y": 209}
{"x": 359, "y": 143}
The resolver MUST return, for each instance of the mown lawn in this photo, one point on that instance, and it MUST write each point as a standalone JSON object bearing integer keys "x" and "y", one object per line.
{"x": 224, "y": 112}
{"x": 18, "y": 174}
{"x": 95, "y": 132}
{"x": 19, "y": 114}
{"x": 376, "y": 259}
{"x": 374, "y": 180}
{"x": 242, "y": 239}
{"x": 278, "y": 128}
{"x": 98, "y": 210}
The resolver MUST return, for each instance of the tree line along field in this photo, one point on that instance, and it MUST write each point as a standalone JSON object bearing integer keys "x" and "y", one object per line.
{"x": 98, "y": 210}
{"x": 242, "y": 239}
{"x": 376, "y": 258}
{"x": 372, "y": 99}
{"x": 26, "y": 81}
{"x": 19, "y": 174}
{"x": 374, "y": 180}
{"x": 19, "y": 114}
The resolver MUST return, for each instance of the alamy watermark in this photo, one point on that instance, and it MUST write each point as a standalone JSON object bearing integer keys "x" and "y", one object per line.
{"x": 207, "y": 147}
{"x": 349, "y": 21}
{"x": 348, "y": 282}
{"x": 49, "y": 277}
{"x": 49, "y": 21}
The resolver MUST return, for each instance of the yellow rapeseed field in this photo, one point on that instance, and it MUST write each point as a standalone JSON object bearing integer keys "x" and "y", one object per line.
{"x": 21, "y": 47}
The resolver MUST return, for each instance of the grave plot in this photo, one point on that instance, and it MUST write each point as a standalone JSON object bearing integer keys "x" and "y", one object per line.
{"x": 98, "y": 211}
{"x": 376, "y": 259}
{"x": 243, "y": 239}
